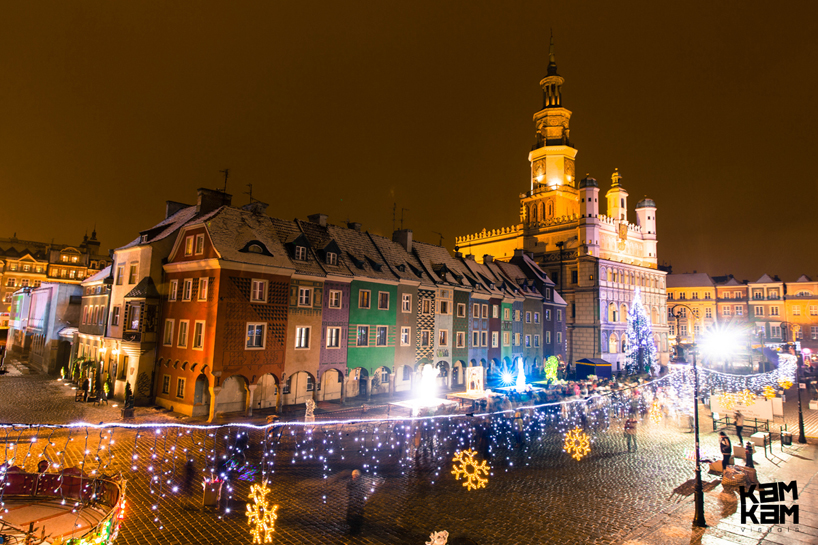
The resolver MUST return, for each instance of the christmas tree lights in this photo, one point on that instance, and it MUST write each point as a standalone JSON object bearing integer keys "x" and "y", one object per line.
{"x": 641, "y": 356}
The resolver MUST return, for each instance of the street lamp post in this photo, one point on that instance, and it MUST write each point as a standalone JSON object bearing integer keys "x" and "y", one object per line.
{"x": 698, "y": 491}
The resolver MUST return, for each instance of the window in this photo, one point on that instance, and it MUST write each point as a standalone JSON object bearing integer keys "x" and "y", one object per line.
{"x": 775, "y": 331}
{"x": 426, "y": 306}
{"x": 256, "y": 334}
{"x": 63, "y": 258}
{"x": 547, "y": 337}
{"x": 333, "y": 337}
{"x": 813, "y": 310}
{"x": 559, "y": 314}
{"x": 443, "y": 337}
{"x": 443, "y": 307}
{"x": 759, "y": 311}
{"x": 203, "y": 289}
{"x": 475, "y": 338}
{"x": 708, "y": 312}
{"x": 495, "y": 311}
{"x": 683, "y": 295}
{"x": 528, "y": 341}
{"x": 258, "y": 291}
{"x": 773, "y": 294}
{"x": 101, "y": 316}
{"x": 528, "y": 317}
{"x": 406, "y": 302}
{"x": 695, "y": 295}
{"x": 302, "y": 337}
{"x": 407, "y": 373}
{"x": 187, "y": 289}
{"x": 120, "y": 272}
{"x": 461, "y": 310}
{"x": 182, "y": 343}
{"x": 166, "y": 384}
{"x": 405, "y": 333}
{"x": 180, "y": 387}
{"x": 198, "y": 335}
{"x": 485, "y": 309}
{"x": 796, "y": 310}
{"x": 199, "y": 244}
{"x": 697, "y": 329}
{"x": 383, "y": 300}
{"x": 168, "y": 337}
{"x": 739, "y": 311}
{"x": 460, "y": 339}
{"x": 506, "y": 338}
{"x": 516, "y": 339}
{"x": 304, "y": 297}
{"x": 536, "y": 317}
{"x": 707, "y": 295}
{"x": 71, "y": 274}
{"x": 725, "y": 311}
{"x": 174, "y": 290}
{"x": 574, "y": 277}
{"x": 301, "y": 253}
{"x": 814, "y": 332}
{"x": 773, "y": 311}
{"x": 189, "y": 245}
{"x": 132, "y": 274}
{"x": 548, "y": 315}
{"x": 484, "y": 338}
{"x": 363, "y": 335}
{"x": 26, "y": 268}
{"x": 115, "y": 316}
{"x": 332, "y": 258}
{"x": 475, "y": 310}
{"x": 363, "y": 299}
{"x": 507, "y": 314}
{"x": 559, "y": 337}
{"x": 758, "y": 294}
{"x": 683, "y": 330}
{"x": 495, "y": 339}
{"x": 85, "y": 315}
{"x": 384, "y": 376}
{"x": 334, "y": 299}
{"x": 536, "y": 341}
{"x": 425, "y": 338}
{"x": 136, "y": 313}
{"x": 380, "y": 335}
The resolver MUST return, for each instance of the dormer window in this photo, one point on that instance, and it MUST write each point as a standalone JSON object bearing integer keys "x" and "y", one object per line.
{"x": 332, "y": 258}
{"x": 144, "y": 238}
{"x": 255, "y": 249}
{"x": 301, "y": 253}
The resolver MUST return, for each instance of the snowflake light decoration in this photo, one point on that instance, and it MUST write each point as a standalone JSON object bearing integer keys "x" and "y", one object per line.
{"x": 769, "y": 392}
{"x": 785, "y": 384}
{"x": 747, "y": 398}
{"x": 261, "y": 516}
{"x": 577, "y": 443}
{"x": 727, "y": 401}
{"x": 467, "y": 467}
{"x": 655, "y": 412}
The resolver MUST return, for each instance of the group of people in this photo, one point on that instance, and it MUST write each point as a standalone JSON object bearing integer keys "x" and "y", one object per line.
{"x": 726, "y": 446}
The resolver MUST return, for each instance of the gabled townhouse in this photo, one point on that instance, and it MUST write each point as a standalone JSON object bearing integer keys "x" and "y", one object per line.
{"x": 767, "y": 305}
{"x": 53, "y": 315}
{"x": 802, "y": 311}
{"x": 553, "y": 308}
{"x": 530, "y": 302}
{"x": 225, "y": 314}
{"x": 453, "y": 292}
{"x": 731, "y": 301}
{"x": 490, "y": 320}
{"x": 89, "y": 340}
{"x": 693, "y": 297}
{"x": 133, "y": 325}
{"x": 372, "y": 332}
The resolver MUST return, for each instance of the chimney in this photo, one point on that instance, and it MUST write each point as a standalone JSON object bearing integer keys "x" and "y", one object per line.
{"x": 256, "y": 207}
{"x": 354, "y": 225}
{"x": 211, "y": 199}
{"x": 519, "y": 252}
{"x": 320, "y": 219}
{"x": 470, "y": 257}
{"x": 488, "y": 258}
{"x": 171, "y": 207}
{"x": 404, "y": 238}
{"x": 458, "y": 255}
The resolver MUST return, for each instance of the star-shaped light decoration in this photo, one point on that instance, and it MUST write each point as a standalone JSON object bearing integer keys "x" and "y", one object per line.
{"x": 747, "y": 398}
{"x": 727, "y": 401}
{"x": 261, "y": 516}
{"x": 467, "y": 467}
{"x": 769, "y": 392}
{"x": 577, "y": 443}
{"x": 655, "y": 412}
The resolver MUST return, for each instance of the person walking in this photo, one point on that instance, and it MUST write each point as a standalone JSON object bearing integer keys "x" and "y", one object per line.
{"x": 726, "y": 450}
{"x": 748, "y": 454}
{"x": 630, "y": 431}
{"x": 739, "y": 425}
{"x": 356, "y": 494}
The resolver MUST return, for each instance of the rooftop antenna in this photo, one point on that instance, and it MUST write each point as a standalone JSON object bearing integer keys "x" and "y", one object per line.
{"x": 402, "y": 210}
{"x": 249, "y": 192}
{"x": 441, "y": 238}
{"x": 394, "y": 208}
{"x": 226, "y": 173}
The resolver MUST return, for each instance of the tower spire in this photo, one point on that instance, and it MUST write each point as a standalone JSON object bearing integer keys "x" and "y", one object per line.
{"x": 552, "y": 61}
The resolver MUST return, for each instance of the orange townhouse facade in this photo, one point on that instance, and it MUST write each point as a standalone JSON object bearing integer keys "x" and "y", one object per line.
{"x": 224, "y": 318}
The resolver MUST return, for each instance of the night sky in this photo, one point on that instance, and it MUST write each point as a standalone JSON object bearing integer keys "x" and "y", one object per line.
{"x": 344, "y": 108}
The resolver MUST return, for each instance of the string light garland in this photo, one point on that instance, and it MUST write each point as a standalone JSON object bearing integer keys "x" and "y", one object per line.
{"x": 655, "y": 412}
{"x": 747, "y": 398}
{"x": 769, "y": 392}
{"x": 785, "y": 384}
{"x": 470, "y": 470}
{"x": 577, "y": 443}
{"x": 261, "y": 516}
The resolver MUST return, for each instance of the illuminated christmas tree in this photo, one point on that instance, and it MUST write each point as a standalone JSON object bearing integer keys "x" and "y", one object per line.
{"x": 641, "y": 355}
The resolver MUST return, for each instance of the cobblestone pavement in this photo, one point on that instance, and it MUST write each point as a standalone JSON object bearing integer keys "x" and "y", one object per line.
{"x": 535, "y": 494}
